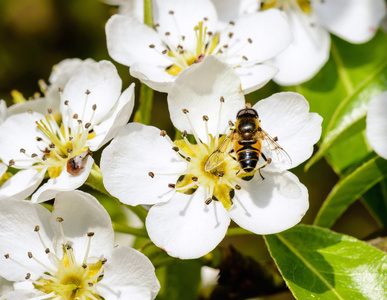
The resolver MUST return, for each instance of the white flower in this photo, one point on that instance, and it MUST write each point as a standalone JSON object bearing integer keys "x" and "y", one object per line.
{"x": 376, "y": 128}
{"x": 186, "y": 32}
{"x": 92, "y": 109}
{"x": 355, "y": 21}
{"x": 189, "y": 225}
{"x": 69, "y": 253}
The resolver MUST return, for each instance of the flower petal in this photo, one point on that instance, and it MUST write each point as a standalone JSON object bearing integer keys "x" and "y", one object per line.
{"x": 376, "y": 128}
{"x": 356, "y": 21}
{"x": 230, "y": 10}
{"x": 19, "y": 295}
{"x": 64, "y": 182}
{"x": 130, "y": 272}
{"x": 271, "y": 205}
{"x": 126, "y": 162}
{"x": 153, "y": 76}
{"x": 104, "y": 84}
{"x": 255, "y": 76}
{"x": 82, "y": 213}
{"x": 3, "y": 169}
{"x": 117, "y": 118}
{"x": 286, "y": 116}
{"x": 258, "y": 36}
{"x": 128, "y": 41}
{"x": 22, "y": 184}
{"x": 17, "y": 238}
{"x": 3, "y": 111}
{"x": 19, "y": 131}
{"x": 306, "y": 55}
{"x": 186, "y": 227}
{"x": 199, "y": 89}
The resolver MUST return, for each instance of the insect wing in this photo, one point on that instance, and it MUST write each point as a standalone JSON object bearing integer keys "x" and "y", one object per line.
{"x": 281, "y": 154}
{"x": 220, "y": 154}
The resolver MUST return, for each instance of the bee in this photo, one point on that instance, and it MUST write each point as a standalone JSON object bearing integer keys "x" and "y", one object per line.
{"x": 246, "y": 140}
{"x": 77, "y": 163}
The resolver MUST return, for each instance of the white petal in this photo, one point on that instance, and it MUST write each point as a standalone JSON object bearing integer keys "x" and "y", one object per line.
{"x": 117, "y": 118}
{"x": 104, "y": 84}
{"x": 128, "y": 270}
{"x": 3, "y": 169}
{"x": 286, "y": 116}
{"x": 64, "y": 182}
{"x": 128, "y": 41}
{"x": 5, "y": 286}
{"x": 82, "y": 213}
{"x": 17, "y": 238}
{"x": 3, "y": 111}
{"x": 356, "y": 21}
{"x": 134, "y": 152}
{"x": 20, "y": 295}
{"x": 271, "y": 205}
{"x": 19, "y": 131}
{"x": 306, "y": 55}
{"x": 187, "y": 15}
{"x": 255, "y": 76}
{"x": 40, "y": 105}
{"x": 230, "y": 10}
{"x": 199, "y": 89}
{"x": 268, "y": 30}
{"x": 376, "y": 128}
{"x": 186, "y": 227}
{"x": 153, "y": 76}
{"x": 22, "y": 184}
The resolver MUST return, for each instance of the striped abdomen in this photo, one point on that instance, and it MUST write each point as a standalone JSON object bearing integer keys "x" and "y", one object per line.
{"x": 248, "y": 154}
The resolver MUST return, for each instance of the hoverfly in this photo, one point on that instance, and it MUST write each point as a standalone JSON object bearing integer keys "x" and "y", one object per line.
{"x": 246, "y": 141}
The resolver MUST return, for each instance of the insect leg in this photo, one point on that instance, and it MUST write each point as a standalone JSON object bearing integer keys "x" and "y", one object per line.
{"x": 268, "y": 161}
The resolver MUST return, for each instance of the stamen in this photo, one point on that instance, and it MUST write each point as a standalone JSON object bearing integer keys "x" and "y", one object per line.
{"x": 198, "y": 141}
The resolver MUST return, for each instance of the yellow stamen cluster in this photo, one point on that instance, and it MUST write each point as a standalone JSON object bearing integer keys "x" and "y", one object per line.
{"x": 304, "y": 5}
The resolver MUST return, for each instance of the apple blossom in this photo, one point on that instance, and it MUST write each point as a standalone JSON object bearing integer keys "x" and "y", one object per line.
{"x": 185, "y": 32}
{"x": 92, "y": 108}
{"x": 69, "y": 253}
{"x": 376, "y": 129}
{"x": 193, "y": 207}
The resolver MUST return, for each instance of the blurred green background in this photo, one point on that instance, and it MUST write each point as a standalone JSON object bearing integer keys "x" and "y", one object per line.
{"x": 37, "y": 34}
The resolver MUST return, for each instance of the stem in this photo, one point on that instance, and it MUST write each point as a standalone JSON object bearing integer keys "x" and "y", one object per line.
{"x": 237, "y": 231}
{"x": 141, "y": 232}
{"x": 95, "y": 181}
{"x": 143, "y": 114}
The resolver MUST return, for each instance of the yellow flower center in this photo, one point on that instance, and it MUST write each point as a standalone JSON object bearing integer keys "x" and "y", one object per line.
{"x": 304, "y": 5}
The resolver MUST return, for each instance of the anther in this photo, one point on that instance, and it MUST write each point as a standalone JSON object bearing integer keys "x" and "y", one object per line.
{"x": 167, "y": 33}
{"x": 104, "y": 261}
{"x": 28, "y": 275}
{"x": 68, "y": 246}
{"x": 244, "y": 57}
{"x": 90, "y": 284}
{"x": 209, "y": 33}
{"x": 47, "y": 250}
{"x": 194, "y": 178}
{"x": 39, "y": 139}
{"x": 184, "y": 133}
{"x": 79, "y": 121}
{"x": 84, "y": 266}
{"x": 59, "y": 219}
{"x": 94, "y": 107}
{"x": 49, "y": 110}
{"x": 87, "y": 92}
{"x": 90, "y": 234}
{"x": 250, "y": 40}
{"x": 185, "y": 111}
{"x": 225, "y": 46}
{"x": 164, "y": 51}
{"x": 22, "y": 150}
{"x": 205, "y": 118}
{"x": 208, "y": 201}
{"x": 11, "y": 162}
{"x": 171, "y": 185}
{"x": 232, "y": 23}
{"x": 60, "y": 90}
{"x": 44, "y": 157}
{"x": 37, "y": 228}
{"x": 152, "y": 46}
{"x": 151, "y": 174}
{"x": 66, "y": 102}
{"x": 75, "y": 116}
{"x": 230, "y": 34}
{"x": 230, "y": 123}
{"x": 237, "y": 187}
{"x": 87, "y": 125}
{"x": 205, "y": 19}
{"x": 163, "y": 133}
{"x": 34, "y": 155}
{"x": 30, "y": 255}
{"x": 183, "y": 37}
{"x": 171, "y": 12}
{"x": 6, "y": 256}
{"x": 221, "y": 99}
{"x": 52, "y": 145}
{"x": 275, "y": 138}
{"x": 175, "y": 148}
{"x": 156, "y": 25}
{"x": 188, "y": 158}
{"x": 221, "y": 173}
{"x": 69, "y": 151}
{"x": 30, "y": 111}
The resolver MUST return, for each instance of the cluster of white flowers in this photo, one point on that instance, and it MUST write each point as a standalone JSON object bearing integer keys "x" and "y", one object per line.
{"x": 206, "y": 55}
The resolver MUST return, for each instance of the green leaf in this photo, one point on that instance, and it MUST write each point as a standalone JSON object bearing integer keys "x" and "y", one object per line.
{"x": 361, "y": 73}
{"x": 179, "y": 280}
{"x": 350, "y": 188}
{"x": 375, "y": 200}
{"x": 317, "y": 263}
